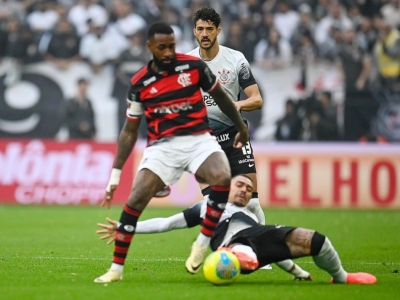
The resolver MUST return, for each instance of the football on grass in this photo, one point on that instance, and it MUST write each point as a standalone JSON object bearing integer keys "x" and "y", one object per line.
{"x": 221, "y": 267}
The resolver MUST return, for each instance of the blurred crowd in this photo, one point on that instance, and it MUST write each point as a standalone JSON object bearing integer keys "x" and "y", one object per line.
{"x": 360, "y": 36}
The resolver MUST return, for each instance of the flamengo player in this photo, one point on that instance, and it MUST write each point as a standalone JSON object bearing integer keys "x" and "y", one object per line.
{"x": 168, "y": 92}
{"x": 233, "y": 72}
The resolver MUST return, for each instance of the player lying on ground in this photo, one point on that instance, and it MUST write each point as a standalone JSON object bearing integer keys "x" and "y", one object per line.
{"x": 255, "y": 245}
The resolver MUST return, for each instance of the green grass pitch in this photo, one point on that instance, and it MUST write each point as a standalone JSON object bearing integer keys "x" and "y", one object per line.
{"x": 52, "y": 252}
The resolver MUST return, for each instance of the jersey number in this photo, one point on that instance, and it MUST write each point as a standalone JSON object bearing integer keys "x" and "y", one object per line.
{"x": 246, "y": 149}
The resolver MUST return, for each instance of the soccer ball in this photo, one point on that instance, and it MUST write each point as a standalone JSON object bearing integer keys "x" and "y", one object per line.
{"x": 221, "y": 267}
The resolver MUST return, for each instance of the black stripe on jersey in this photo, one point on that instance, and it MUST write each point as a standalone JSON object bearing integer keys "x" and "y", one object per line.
{"x": 178, "y": 94}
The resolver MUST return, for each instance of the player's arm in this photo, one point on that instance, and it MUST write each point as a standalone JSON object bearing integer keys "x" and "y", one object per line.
{"x": 190, "y": 217}
{"x": 126, "y": 141}
{"x": 254, "y": 100}
{"x": 228, "y": 108}
{"x": 208, "y": 82}
{"x": 249, "y": 85}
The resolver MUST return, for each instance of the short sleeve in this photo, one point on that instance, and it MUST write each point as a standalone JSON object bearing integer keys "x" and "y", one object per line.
{"x": 208, "y": 81}
{"x": 245, "y": 75}
{"x": 135, "y": 107}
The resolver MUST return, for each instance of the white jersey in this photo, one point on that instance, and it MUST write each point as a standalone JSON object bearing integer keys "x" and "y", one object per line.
{"x": 233, "y": 72}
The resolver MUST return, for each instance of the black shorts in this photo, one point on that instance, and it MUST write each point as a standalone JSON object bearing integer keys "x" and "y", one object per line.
{"x": 267, "y": 241}
{"x": 241, "y": 160}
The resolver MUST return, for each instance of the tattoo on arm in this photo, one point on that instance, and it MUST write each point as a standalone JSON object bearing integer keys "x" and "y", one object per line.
{"x": 299, "y": 242}
{"x": 126, "y": 142}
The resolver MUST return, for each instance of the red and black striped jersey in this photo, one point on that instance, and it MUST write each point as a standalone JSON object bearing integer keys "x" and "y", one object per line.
{"x": 172, "y": 101}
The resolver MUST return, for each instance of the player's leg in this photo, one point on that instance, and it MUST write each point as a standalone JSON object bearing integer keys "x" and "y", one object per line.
{"x": 210, "y": 165}
{"x": 145, "y": 186}
{"x": 241, "y": 161}
{"x": 215, "y": 171}
{"x": 305, "y": 242}
{"x": 153, "y": 174}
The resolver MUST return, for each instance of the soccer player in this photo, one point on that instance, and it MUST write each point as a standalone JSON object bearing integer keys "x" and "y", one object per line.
{"x": 254, "y": 244}
{"x": 233, "y": 72}
{"x": 168, "y": 92}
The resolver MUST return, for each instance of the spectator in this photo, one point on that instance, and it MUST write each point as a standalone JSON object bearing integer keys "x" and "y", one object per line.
{"x": 359, "y": 107}
{"x": 289, "y": 127}
{"x": 17, "y": 48}
{"x": 323, "y": 121}
{"x": 237, "y": 40}
{"x": 286, "y": 20}
{"x": 128, "y": 63}
{"x": 329, "y": 49}
{"x": 182, "y": 46}
{"x": 336, "y": 17}
{"x": 366, "y": 35}
{"x": 43, "y": 18}
{"x": 127, "y": 22}
{"x": 79, "y": 114}
{"x": 273, "y": 53}
{"x": 63, "y": 45}
{"x": 387, "y": 55}
{"x": 12, "y": 9}
{"x": 85, "y": 11}
{"x": 98, "y": 46}
{"x": 391, "y": 13}
{"x": 304, "y": 32}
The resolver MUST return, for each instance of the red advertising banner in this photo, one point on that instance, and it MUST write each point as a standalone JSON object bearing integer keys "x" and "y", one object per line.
{"x": 48, "y": 172}
{"x": 298, "y": 175}
{"x": 289, "y": 175}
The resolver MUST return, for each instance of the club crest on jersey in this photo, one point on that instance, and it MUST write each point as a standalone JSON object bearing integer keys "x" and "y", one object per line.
{"x": 184, "y": 79}
{"x": 224, "y": 76}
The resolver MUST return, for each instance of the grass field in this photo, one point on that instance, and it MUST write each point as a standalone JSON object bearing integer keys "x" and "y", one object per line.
{"x": 53, "y": 253}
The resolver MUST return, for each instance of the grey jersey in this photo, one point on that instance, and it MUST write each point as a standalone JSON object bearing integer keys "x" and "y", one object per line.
{"x": 233, "y": 72}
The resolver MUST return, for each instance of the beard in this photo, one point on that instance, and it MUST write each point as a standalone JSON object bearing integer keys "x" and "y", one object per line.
{"x": 212, "y": 42}
{"x": 163, "y": 66}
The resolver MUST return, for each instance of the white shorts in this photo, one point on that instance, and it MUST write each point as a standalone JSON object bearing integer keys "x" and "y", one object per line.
{"x": 170, "y": 158}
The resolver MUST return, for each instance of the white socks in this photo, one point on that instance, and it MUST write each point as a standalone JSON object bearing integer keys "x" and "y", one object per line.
{"x": 255, "y": 207}
{"x": 203, "y": 240}
{"x": 117, "y": 267}
{"x": 289, "y": 266}
{"x": 329, "y": 260}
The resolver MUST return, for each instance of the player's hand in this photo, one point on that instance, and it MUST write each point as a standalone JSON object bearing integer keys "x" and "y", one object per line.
{"x": 238, "y": 106}
{"x": 241, "y": 138}
{"x": 108, "y": 197}
{"x": 109, "y": 231}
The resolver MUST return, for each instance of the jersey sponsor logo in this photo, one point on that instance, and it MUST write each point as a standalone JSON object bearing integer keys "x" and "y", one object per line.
{"x": 181, "y": 68}
{"x": 223, "y": 137}
{"x": 184, "y": 79}
{"x": 209, "y": 100}
{"x": 244, "y": 72}
{"x": 173, "y": 108}
{"x": 246, "y": 160}
{"x": 224, "y": 76}
{"x": 150, "y": 80}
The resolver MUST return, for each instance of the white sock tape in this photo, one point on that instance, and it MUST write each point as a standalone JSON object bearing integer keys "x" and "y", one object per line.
{"x": 114, "y": 178}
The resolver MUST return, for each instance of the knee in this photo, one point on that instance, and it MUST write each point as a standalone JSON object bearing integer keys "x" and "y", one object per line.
{"x": 222, "y": 178}
{"x": 137, "y": 199}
